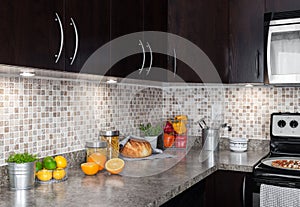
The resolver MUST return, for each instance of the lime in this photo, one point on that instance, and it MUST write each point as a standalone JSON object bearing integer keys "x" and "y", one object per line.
{"x": 49, "y": 163}
{"x": 38, "y": 166}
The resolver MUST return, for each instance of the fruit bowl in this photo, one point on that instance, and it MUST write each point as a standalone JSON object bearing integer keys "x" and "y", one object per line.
{"x": 43, "y": 176}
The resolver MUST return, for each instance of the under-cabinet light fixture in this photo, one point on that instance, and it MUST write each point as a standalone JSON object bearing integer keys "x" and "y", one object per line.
{"x": 111, "y": 81}
{"x": 27, "y": 73}
{"x": 249, "y": 85}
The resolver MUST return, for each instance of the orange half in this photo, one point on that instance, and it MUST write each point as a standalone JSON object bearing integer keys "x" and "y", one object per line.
{"x": 115, "y": 165}
{"x": 90, "y": 168}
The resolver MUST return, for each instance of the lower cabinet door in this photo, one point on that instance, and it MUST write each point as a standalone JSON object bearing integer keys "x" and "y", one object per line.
{"x": 227, "y": 188}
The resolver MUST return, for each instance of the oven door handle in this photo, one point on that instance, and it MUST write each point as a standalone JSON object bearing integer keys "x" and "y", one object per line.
{"x": 244, "y": 191}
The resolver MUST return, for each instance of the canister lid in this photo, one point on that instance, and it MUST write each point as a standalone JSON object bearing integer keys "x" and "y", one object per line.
{"x": 96, "y": 144}
{"x": 109, "y": 133}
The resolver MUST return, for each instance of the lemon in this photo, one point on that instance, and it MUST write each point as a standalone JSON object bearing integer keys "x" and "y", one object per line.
{"x": 44, "y": 175}
{"x": 61, "y": 162}
{"x": 59, "y": 174}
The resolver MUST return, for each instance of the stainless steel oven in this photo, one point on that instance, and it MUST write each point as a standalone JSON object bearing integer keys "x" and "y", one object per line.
{"x": 284, "y": 146}
{"x": 283, "y": 47}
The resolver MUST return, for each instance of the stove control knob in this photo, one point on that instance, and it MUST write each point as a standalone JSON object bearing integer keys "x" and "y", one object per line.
{"x": 293, "y": 124}
{"x": 281, "y": 123}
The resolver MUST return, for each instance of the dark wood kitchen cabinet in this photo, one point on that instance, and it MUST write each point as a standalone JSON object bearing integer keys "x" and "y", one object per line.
{"x": 155, "y": 18}
{"x": 31, "y": 33}
{"x": 192, "y": 197}
{"x": 136, "y": 16}
{"x": 280, "y": 5}
{"x": 227, "y": 188}
{"x": 222, "y": 188}
{"x": 246, "y": 41}
{"x": 87, "y": 28}
{"x": 204, "y": 23}
{"x": 53, "y": 34}
{"x": 126, "y": 18}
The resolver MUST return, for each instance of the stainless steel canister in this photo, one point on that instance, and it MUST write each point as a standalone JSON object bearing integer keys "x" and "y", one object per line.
{"x": 21, "y": 176}
{"x": 210, "y": 139}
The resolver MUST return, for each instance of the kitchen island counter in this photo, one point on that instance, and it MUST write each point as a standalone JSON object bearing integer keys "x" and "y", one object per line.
{"x": 142, "y": 183}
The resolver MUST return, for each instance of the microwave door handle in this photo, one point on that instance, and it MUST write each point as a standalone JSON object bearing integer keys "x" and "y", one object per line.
{"x": 268, "y": 52}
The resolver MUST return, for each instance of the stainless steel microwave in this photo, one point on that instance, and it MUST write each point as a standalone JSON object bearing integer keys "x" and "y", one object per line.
{"x": 283, "y": 50}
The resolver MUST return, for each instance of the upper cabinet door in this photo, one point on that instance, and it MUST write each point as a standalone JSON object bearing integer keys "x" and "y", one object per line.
{"x": 32, "y": 33}
{"x": 155, "y": 18}
{"x": 246, "y": 41}
{"x": 204, "y": 23}
{"x": 87, "y": 30}
{"x": 282, "y": 5}
{"x": 127, "y": 18}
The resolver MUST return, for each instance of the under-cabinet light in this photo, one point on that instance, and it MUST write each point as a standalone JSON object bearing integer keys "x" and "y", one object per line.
{"x": 248, "y": 85}
{"x": 27, "y": 74}
{"x": 111, "y": 81}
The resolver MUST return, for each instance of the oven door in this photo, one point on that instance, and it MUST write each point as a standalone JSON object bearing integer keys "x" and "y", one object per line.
{"x": 283, "y": 51}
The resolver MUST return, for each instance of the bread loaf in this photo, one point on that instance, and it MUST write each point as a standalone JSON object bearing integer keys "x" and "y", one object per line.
{"x": 136, "y": 148}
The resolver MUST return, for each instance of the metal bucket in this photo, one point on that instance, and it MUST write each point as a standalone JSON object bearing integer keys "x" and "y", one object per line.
{"x": 210, "y": 139}
{"x": 21, "y": 176}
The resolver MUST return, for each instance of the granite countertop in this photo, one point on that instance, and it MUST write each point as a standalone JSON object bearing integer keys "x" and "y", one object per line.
{"x": 142, "y": 183}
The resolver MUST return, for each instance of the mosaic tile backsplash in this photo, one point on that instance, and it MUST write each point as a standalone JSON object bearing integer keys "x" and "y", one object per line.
{"x": 54, "y": 116}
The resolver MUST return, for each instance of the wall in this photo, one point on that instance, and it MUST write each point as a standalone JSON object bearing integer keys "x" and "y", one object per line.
{"x": 246, "y": 109}
{"x": 52, "y": 116}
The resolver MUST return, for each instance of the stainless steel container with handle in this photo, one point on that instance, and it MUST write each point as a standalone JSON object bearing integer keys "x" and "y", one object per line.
{"x": 210, "y": 139}
{"x": 21, "y": 176}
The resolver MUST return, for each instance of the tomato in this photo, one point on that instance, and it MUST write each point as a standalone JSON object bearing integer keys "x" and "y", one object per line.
{"x": 168, "y": 140}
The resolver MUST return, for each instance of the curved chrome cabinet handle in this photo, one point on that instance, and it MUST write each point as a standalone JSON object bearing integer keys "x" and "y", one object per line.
{"x": 175, "y": 66}
{"x": 151, "y": 58}
{"x": 144, "y": 57}
{"x": 76, "y": 41}
{"x": 244, "y": 191}
{"x": 57, "y": 19}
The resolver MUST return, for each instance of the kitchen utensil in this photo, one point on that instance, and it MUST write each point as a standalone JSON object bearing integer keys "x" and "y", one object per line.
{"x": 202, "y": 124}
{"x": 238, "y": 144}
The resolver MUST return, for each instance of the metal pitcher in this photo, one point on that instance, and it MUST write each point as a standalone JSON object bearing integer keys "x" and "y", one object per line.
{"x": 210, "y": 139}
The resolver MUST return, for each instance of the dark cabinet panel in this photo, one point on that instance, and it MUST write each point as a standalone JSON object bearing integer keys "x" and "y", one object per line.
{"x": 192, "y": 197}
{"x": 92, "y": 22}
{"x": 204, "y": 23}
{"x": 282, "y": 5}
{"x": 31, "y": 33}
{"x": 155, "y": 18}
{"x": 126, "y": 18}
{"x": 246, "y": 25}
{"x": 225, "y": 188}
{"x": 136, "y": 16}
